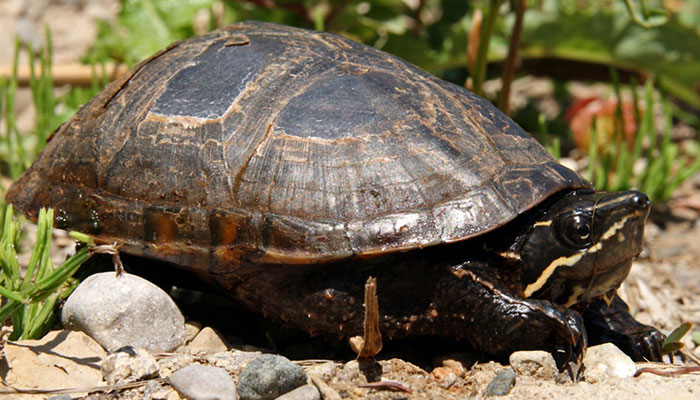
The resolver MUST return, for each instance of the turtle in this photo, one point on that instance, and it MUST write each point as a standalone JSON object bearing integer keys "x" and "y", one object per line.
{"x": 286, "y": 166}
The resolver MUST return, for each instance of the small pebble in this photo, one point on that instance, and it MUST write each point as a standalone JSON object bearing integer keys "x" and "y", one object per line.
{"x": 200, "y": 382}
{"x": 445, "y": 376}
{"x": 324, "y": 371}
{"x": 268, "y": 377}
{"x": 192, "y": 328}
{"x": 128, "y": 365}
{"x": 607, "y": 361}
{"x": 305, "y": 392}
{"x": 537, "y": 363}
{"x": 207, "y": 341}
{"x": 501, "y": 384}
{"x": 125, "y": 311}
{"x": 350, "y": 371}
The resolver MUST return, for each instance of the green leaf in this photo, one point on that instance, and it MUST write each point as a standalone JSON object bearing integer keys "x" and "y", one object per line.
{"x": 678, "y": 333}
{"x": 673, "y": 341}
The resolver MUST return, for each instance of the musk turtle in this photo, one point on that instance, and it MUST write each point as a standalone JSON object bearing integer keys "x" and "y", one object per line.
{"x": 287, "y": 166}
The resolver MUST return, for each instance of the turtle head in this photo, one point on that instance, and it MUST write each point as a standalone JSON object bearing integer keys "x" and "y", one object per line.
{"x": 582, "y": 246}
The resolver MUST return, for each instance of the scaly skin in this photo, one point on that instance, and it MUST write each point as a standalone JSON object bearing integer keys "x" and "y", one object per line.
{"x": 417, "y": 297}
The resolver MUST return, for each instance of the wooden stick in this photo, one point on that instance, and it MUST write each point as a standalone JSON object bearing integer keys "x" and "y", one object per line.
{"x": 66, "y": 74}
{"x": 372, "y": 338}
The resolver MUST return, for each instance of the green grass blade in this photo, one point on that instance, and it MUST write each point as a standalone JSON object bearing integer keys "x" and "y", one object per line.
{"x": 34, "y": 258}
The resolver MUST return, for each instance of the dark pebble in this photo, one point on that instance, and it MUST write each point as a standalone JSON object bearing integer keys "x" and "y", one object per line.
{"x": 502, "y": 383}
{"x": 268, "y": 377}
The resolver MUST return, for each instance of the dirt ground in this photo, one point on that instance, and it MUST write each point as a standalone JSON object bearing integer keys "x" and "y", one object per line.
{"x": 663, "y": 288}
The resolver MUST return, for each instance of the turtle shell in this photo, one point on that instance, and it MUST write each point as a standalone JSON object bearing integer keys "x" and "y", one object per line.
{"x": 265, "y": 143}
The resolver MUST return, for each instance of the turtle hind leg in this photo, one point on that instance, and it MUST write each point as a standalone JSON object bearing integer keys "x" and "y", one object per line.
{"x": 614, "y": 324}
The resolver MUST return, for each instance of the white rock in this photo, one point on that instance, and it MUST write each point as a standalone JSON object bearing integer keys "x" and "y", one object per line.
{"x": 200, "y": 382}
{"x": 125, "y": 311}
{"x": 535, "y": 363}
{"x": 607, "y": 361}
{"x": 305, "y": 392}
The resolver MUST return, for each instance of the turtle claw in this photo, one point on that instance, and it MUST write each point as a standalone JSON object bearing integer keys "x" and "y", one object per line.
{"x": 649, "y": 345}
{"x": 569, "y": 333}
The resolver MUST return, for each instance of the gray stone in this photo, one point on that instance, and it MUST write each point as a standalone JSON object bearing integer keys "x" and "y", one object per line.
{"x": 125, "y": 311}
{"x": 607, "y": 361}
{"x": 129, "y": 365}
{"x": 501, "y": 384}
{"x": 305, "y": 392}
{"x": 537, "y": 363}
{"x": 200, "y": 382}
{"x": 268, "y": 377}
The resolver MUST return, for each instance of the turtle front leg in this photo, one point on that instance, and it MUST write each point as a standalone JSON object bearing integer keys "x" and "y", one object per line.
{"x": 614, "y": 324}
{"x": 501, "y": 323}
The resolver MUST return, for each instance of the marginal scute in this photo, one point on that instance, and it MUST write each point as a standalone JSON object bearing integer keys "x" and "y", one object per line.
{"x": 461, "y": 218}
{"x": 161, "y": 225}
{"x": 228, "y": 227}
{"x": 263, "y": 143}
{"x": 394, "y": 231}
{"x": 293, "y": 240}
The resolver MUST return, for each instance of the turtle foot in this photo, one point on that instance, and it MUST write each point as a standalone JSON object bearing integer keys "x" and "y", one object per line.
{"x": 569, "y": 332}
{"x": 614, "y": 324}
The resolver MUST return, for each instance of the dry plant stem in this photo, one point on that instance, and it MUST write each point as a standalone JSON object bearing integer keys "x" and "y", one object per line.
{"x": 327, "y": 392}
{"x": 5, "y": 333}
{"x": 90, "y": 389}
{"x": 685, "y": 353}
{"x": 372, "y": 343}
{"x": 67, "y": 74}
{"x": 667, "y": 372}
{"x": 372, "y": 339}
{"x": 112, "y": 249}
{"x": 479, "y": 72}
{"x": 473, "y": 43}
{"x": 509, "y": 67}
{"x": 419, "y": 25}
{"x": 387, "y": 385}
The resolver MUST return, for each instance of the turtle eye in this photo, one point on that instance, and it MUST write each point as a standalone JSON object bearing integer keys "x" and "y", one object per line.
{"x": 574, "y": 229}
